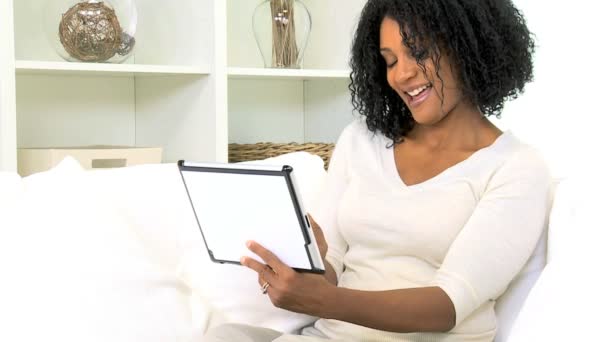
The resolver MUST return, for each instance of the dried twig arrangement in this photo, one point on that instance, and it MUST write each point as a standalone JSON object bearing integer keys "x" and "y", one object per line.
{"x": 284, "y": 47}
{"x": 91, "y": 32}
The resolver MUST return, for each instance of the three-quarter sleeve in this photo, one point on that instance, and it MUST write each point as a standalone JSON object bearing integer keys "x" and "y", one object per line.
{"x": 326, "y": 214}
{"x": 500, "y": 235}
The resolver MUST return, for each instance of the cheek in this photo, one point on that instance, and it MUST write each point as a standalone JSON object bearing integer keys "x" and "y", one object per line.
{"x": 446, "y": 88}
{"x": 390, "y": 78}
{"x": 452, "y": 93}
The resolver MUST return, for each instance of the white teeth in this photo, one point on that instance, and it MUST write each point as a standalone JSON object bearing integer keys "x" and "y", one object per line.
{"x": 416, "y": 92}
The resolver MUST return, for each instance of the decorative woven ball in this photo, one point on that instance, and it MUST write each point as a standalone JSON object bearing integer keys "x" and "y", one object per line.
{"x": 90, "y": 32}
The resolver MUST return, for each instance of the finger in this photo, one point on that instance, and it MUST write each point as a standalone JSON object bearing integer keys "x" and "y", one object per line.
{"x": 319, "y": 237}
{"x": 313, "y": 223}
{"x": 252, "y": 264}
{"x": 265, "y": 273}
{"x": 277, "y": 265}
{"x": 316, "y": 229}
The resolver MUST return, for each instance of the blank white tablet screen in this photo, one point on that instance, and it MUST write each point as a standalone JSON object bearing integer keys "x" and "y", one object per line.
{"x": 232, "y": 208}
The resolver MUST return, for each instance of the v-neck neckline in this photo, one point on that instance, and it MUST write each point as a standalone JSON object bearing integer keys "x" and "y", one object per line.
{"x": 394, "y": 171}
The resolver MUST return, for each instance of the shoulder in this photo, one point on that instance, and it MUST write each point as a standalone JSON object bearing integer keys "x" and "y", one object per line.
{"x": 358, "y": 146}
{"x": 524, "y": 155}
{"x": 357, "y": 133}
{"x": 517, "y": 160}
{"x": 355, "y": 128}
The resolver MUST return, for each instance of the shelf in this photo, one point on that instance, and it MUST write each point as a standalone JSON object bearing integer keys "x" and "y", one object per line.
{"x": 288, "y": 74}
{"x": 68, "y": 68}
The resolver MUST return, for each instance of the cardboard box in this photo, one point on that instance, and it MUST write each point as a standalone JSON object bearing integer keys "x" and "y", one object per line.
{"x": 32, "y": 160}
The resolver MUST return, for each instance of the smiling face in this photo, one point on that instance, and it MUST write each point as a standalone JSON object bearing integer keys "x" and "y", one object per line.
{"x": 429, "y": 97}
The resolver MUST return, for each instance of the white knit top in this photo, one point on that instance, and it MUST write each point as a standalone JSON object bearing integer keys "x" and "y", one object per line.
{"x": 468, "y": 230}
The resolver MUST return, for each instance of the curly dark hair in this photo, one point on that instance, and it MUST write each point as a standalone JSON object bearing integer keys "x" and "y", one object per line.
{"x": 487, "y": 43}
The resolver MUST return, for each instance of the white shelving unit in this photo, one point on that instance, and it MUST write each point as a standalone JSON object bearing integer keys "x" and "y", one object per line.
{"x": 311, "y": 104}
{"x": 171, "y": 93}
{"x": 67, "y": 68}
{"x": 195, "y": 83}
{"x": 286, "y": 74}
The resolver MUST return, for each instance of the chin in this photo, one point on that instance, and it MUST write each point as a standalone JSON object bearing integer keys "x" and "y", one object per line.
{"x": 426, "y": 119}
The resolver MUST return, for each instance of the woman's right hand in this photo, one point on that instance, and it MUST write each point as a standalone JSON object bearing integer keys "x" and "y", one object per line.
{"x": 319, "y": 236}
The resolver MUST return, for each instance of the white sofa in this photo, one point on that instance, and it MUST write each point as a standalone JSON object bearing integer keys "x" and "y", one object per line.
{"x": 116, "y": 255}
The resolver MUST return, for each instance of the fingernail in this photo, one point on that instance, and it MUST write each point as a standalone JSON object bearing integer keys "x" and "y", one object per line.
{"x": 249, "y": 243}
{"x": 243, "y": 260}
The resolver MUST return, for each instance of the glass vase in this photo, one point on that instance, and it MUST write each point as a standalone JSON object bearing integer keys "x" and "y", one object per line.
{"x": 281, "y": 29}
{"x": 91, "y": 30}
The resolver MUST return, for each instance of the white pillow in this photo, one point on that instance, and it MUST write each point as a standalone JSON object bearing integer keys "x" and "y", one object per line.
{"x": 572, "y": 199}
{"x": 10, "y": 188}
{"x": 512, "y": 300}
{"x": 154, "y": 202}
{"x": 509, "y": 304}
{"x": 74, "y": 271}
{"x": 567, "y": 303}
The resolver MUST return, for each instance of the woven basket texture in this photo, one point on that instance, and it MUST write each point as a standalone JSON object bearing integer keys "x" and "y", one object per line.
{"x": 263, "y": 150}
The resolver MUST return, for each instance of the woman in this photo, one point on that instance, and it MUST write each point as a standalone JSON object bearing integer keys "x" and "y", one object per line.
{"x": 430, "y": 210}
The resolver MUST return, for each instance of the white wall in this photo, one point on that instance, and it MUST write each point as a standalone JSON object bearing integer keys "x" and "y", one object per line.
{"x": 564, "y": 112}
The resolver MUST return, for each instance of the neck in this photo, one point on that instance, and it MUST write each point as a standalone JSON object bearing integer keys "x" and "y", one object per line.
{"x": 464, "y": 127}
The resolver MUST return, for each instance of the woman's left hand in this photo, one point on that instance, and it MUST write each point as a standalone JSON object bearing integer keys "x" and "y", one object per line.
{"x": 288, "y": 289}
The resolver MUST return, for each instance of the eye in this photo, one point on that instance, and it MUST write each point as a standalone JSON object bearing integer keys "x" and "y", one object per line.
{"x": 391, "y": 64}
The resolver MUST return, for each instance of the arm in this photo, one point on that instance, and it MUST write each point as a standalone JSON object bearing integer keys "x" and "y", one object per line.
{"x": 500, "y": 235}
{"x": 426, "y": 309}
{"x": 405, "y": 310}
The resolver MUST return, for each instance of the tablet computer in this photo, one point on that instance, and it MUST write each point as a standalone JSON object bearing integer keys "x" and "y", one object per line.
{"x": 234, "y": 203}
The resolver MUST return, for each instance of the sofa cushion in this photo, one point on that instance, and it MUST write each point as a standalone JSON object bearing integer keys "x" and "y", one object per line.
{"x": 74, "y": 271}
{"x": 567, "y": 303}
{"x": 10, "y": 185}
{"x": 511, "y": 301}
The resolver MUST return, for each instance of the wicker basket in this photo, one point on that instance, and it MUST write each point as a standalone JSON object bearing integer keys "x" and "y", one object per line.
{"x": 248, "y": 152}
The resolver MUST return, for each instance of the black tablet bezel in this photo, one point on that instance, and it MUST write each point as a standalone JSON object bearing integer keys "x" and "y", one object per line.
{"x": 286, "y": 173}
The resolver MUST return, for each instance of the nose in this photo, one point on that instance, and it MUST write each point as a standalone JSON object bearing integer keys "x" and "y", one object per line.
{"x": 406, "y": 70}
